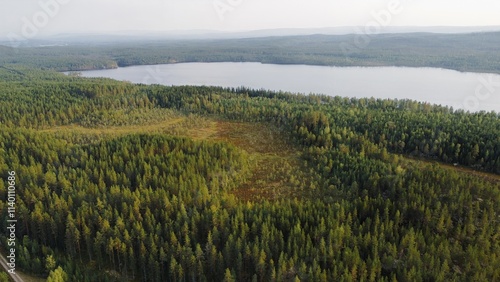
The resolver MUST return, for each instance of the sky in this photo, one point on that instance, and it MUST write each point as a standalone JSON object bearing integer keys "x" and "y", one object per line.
{"x": 33, "y": 18}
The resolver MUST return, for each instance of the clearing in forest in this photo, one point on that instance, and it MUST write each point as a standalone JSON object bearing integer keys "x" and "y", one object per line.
{"x": 277, "y": 171}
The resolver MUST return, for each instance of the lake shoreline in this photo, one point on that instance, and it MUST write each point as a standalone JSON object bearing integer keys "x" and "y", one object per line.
{"x": 432, "y": 85}
{"x": 481, "y": 71}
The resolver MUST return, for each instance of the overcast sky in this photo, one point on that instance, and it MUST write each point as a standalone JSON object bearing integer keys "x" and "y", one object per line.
{"x": 29, "y": 18}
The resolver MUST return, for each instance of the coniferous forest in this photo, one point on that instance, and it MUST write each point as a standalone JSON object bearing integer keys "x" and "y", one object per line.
{"x": 127, "y": 182}
{"x": 476, "y": 52}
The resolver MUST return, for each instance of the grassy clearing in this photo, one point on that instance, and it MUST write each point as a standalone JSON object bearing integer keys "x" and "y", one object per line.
{"x": 277, "y": 170}
{"x": 491, "y": 177}
{"x": 275, "y": 162}
{"x": 480, "y": 174}
{"x": 116, "y": 130}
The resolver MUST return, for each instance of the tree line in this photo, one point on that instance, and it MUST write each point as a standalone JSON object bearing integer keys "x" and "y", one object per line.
{"x": 474, "y": 52}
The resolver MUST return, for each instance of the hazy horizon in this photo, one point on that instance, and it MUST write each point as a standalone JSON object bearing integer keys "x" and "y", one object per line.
{"x": 29, "y": 20}
{"x": 340, "y": 29}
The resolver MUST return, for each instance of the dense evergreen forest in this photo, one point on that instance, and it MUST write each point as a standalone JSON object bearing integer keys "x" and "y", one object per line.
{"x": 475, "y": 52}
{"x": 125, "y": 182}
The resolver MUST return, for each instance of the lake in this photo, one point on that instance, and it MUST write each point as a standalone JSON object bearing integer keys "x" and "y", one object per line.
{"x": 468, "y": 91}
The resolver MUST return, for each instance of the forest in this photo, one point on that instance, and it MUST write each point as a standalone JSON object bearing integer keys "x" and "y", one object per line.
{"x": 129, "y": 182}
{"x": 472, "y": 52}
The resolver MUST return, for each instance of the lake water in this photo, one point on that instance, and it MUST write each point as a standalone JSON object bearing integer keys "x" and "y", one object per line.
{"x": 468, "y": 91}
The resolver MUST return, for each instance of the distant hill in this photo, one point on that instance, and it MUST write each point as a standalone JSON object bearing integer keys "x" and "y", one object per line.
{"x": 129, "y": 35}
{"x": 474, "y": 51}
